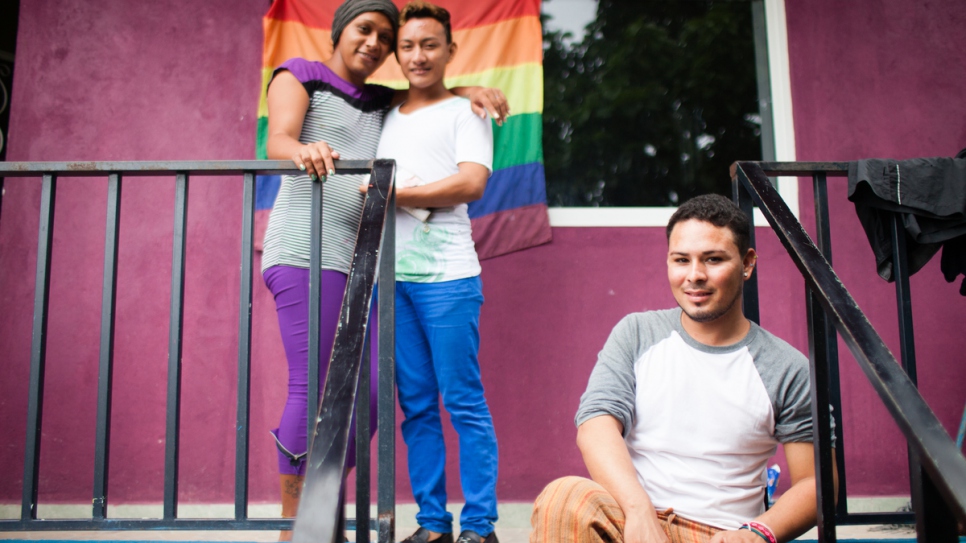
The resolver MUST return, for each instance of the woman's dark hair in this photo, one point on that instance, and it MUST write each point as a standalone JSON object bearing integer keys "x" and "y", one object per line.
{"x": 719, "y": 211}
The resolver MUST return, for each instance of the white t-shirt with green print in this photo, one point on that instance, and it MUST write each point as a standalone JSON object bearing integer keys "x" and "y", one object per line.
{"x": 430, "y": 143}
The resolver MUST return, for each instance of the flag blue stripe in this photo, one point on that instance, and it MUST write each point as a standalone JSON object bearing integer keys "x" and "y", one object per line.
{"x": 510, "y": 188}
{"x": 266, "y": 189}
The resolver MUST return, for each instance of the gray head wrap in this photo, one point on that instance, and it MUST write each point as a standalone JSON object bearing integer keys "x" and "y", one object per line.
{"x": 350, "y": 9}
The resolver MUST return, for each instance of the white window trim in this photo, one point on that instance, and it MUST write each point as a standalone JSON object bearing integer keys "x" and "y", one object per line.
{"x": 781, "y": 90}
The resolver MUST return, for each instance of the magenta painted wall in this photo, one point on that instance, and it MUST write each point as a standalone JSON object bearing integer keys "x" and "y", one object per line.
{"x": 174, "y": 79}
{"x": 118, "y": 80}
{"x": 883, "y": 78}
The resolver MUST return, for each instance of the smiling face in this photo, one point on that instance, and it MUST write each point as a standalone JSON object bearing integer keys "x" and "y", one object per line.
{"x": 363, "y": 46}
{"x": 423, "y": 52}
{"x": 706, "y": 271}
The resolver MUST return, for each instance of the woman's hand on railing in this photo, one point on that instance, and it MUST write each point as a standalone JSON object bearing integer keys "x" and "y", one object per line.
{"x": 316, "y": 159}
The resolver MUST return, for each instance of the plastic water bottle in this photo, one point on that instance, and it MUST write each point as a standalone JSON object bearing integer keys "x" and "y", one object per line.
{"x": 774, "y": 473}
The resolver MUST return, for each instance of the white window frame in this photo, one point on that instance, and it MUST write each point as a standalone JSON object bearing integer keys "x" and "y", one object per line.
{"x": 784, "y": 129}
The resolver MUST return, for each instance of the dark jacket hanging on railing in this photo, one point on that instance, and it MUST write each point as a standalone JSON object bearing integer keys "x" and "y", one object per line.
{"x": 930, "y": 195}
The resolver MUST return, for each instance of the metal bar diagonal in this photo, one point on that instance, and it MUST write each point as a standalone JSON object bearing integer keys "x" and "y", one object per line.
{"x": 102, "y": 441}
{"x": 319, "y": 509}
{"x": 175, "y": 334}
{"x": 38, "y": 349}
{"x": 936, "y": 450}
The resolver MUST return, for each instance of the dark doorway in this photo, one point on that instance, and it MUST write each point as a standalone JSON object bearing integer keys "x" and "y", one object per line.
{"x": 9, "y": 17}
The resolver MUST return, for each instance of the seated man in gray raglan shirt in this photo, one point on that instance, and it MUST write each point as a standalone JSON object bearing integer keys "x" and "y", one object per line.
{"x": 685, "y": 407}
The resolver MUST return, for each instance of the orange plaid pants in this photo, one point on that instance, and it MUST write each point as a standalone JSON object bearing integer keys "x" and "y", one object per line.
{"x": 578, "y": 510}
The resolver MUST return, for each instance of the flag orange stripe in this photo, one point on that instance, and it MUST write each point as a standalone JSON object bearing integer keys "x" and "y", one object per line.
{"x": 285, "y": 40}
{"x": 506, "y": 44}
{"x": 465, "y": 14}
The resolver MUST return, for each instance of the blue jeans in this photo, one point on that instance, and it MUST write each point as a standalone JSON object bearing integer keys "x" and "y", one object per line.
{"x": 437, "y": 340}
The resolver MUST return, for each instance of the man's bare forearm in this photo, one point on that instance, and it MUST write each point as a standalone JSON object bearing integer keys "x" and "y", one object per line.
{"x": 606, "y": 457}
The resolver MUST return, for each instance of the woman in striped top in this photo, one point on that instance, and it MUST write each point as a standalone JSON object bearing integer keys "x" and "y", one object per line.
{"x": 320, "y": 112}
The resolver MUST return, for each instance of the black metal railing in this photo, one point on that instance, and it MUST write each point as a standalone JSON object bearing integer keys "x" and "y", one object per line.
{"x": 937, "y": 468}
{"x": 374, "y": 255}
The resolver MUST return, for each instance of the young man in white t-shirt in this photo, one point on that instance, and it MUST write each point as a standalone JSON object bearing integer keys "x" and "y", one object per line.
{"x": 444, "y": 156}
{"x": 684, "y": 408}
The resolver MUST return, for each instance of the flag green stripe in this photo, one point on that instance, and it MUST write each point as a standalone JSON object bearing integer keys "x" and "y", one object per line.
{"x": 515, "y": 143}
{"x": 518, "y": 141}
{"x": 261, "y": 139}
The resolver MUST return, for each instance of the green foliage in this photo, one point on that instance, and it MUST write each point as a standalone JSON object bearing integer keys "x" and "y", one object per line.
{"x": 653, "y": 106}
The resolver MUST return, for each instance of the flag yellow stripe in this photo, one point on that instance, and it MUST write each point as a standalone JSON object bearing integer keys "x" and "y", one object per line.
{"x": 522, "y": 85}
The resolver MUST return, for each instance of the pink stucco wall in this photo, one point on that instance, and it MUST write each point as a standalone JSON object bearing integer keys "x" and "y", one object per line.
{"x": 883, "y": 79}
{"x": 173, "y": 79}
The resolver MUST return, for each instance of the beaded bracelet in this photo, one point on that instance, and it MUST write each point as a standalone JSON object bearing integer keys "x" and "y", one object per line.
{"x": 760, "y": 530}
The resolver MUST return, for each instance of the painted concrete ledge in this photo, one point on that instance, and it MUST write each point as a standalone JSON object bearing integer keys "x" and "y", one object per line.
{"x": 513, "y": 527}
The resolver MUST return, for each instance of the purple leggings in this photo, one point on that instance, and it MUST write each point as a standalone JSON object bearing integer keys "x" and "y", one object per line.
{"x": 290, "y": 286}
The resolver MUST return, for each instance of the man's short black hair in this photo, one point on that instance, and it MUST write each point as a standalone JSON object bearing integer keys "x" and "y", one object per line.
{"x": 719, "y": 211}
{"x": 419, "y": 9}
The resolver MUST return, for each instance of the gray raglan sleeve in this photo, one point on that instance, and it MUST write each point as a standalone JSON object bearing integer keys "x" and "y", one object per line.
{"x": 612, "y": 385}
{"x": 784, "y": 371}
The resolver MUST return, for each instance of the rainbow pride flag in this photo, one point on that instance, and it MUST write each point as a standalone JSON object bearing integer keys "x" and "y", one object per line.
{"x": 500, "y": 45}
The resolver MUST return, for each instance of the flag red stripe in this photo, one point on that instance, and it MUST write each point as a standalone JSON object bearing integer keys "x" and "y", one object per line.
{"x": 466, "y": 14}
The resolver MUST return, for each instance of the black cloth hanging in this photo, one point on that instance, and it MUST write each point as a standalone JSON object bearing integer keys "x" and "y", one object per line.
{"x": 930, "y": 196}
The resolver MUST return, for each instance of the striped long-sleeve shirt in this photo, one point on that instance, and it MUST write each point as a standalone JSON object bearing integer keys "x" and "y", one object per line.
{"x": 349, "y": 119}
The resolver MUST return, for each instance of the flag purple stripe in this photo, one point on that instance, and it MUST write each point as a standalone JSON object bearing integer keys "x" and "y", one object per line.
{"x": 511, "y": 230}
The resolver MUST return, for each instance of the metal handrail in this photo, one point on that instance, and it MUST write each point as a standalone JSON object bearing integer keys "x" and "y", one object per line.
{"x": 166, "y": 168}
{"x": 50, "y": 172}
{"x": 929, "y": 443}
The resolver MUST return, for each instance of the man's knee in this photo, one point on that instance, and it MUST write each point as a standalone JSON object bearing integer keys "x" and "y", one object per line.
{"x": 576, "y": 510}
{"x": 561, "y": 501}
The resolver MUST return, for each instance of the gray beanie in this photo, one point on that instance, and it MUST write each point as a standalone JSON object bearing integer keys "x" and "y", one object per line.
{"x": 350, "y": 9}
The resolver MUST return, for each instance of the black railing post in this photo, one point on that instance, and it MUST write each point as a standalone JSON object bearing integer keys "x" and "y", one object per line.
{"x": 818, "y": 340}
{"x": 362, "y": 445}
{"x": 741, "y": 197}
{"x": 934, "y": 519}
{"x": 102, "y": 439}
{"x": 175, "y": 334}
{"x": 386, "y": 510}
{"x": 900, "y": 272}
{"x": 823, "y": 238}
{"x": 38, "y": 349}
{"x": 315, "y": 305}
{"x": 2, "y": 192}
{"x": 242, "y": 430}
